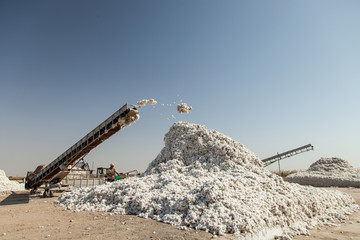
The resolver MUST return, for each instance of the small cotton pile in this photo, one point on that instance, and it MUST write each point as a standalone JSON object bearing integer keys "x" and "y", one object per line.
{"x": 183, "y": 108}
{"x": 328, "y": 172}
{"x": 77, "y": 173}
{"x": 143, "y": 102}
{"x": 205, "y": 180}
{"x": 331, "y": 165}
{"x": 7, "y": 186}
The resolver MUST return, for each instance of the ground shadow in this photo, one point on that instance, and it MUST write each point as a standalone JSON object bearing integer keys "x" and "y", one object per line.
{"x": 16, "y": 198}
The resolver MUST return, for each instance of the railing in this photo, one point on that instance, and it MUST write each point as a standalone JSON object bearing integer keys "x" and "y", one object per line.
{"x": 83, "y": 181}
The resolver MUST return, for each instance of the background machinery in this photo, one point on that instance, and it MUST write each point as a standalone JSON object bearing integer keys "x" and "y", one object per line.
{"x": 280, "y": 156}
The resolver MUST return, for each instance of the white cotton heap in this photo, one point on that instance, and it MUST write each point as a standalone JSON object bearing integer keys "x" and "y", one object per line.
{"x": 183, "y": 108}
{"x": 328, "y": 172}
{"x": 77, "y": 173}
{"x": 143, "y": 102}
{"x": 204, "y": 180}
{"x": 7, "y": 186}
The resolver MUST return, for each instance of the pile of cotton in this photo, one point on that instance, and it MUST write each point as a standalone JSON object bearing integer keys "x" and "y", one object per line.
{"x": 205, "y": 180}
{"x": 78, "y": 173}
{"x": 328, "y": 172}
{"x": 183, "y": 108}
{"x": 6, "y": 185}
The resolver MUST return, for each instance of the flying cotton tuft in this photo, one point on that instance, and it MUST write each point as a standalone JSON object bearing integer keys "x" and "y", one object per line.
{"x": 183, "y": 108}
{"x": 143, "y": 102}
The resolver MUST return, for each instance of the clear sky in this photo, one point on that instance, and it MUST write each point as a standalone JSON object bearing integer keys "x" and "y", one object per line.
{"x": 273, "y": 75}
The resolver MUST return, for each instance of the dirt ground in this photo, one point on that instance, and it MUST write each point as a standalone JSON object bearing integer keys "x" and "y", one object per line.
{"x": 31, "y": 217}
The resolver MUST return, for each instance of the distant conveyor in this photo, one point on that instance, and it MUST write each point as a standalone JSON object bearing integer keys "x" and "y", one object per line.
{"x": 279, "y": 156}
{"x": 54, "y": 172}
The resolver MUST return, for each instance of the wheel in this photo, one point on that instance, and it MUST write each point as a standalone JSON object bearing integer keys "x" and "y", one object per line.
{"x": 45, "y": 194}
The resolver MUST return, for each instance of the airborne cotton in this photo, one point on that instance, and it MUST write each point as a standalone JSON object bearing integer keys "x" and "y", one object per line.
{"x": 143, "y": 102}
{"x": 205, "y": 180}
{"x": 183, "y": 108}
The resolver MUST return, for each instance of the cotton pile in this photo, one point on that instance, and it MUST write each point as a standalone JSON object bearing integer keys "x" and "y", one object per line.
{"x": 204, "y": 180}
{"x": 328, "y": 172}
{"x": 77, "y": 173}
{"x": 6, "y": 185}
{"x": 183, "y": 108}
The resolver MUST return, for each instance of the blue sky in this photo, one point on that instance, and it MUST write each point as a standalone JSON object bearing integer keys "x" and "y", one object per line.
{"x": 273, "y": 75}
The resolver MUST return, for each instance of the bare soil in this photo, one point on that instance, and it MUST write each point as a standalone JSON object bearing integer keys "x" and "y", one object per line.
{"x": 24, "y": 216}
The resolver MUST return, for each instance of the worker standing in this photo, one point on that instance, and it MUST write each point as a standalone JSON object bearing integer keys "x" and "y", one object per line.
{"x": 111, "y": 173}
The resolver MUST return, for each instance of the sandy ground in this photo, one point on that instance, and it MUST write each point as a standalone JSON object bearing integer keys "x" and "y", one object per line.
{"x": 31, "y": 217}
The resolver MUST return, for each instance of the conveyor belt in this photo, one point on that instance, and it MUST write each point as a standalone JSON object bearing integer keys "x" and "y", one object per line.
{"x": 277, "y": 157}
{"x": 58, "y": 169}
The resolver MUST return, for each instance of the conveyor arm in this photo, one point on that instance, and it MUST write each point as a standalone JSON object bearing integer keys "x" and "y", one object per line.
{"x": 277, "y": 157}
{"x": 58, "y": 169}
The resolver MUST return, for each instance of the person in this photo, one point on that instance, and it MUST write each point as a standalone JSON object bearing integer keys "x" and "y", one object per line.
{"x": 111, "y": 173}
{"x": 84, "y": 164}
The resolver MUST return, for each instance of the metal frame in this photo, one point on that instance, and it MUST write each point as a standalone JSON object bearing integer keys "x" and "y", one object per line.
{"x": 278, "y": 157}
